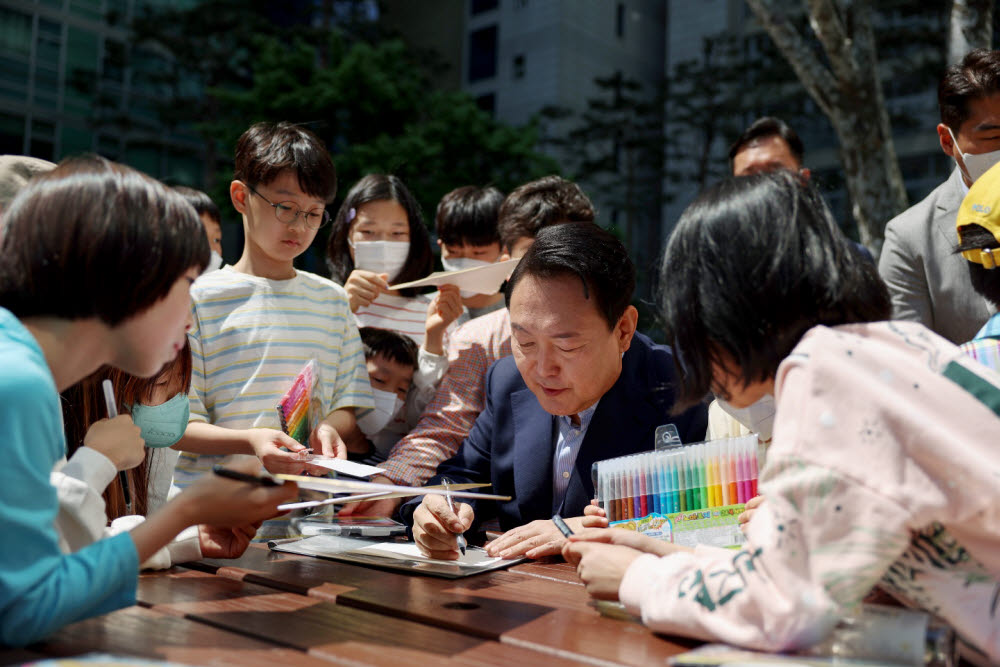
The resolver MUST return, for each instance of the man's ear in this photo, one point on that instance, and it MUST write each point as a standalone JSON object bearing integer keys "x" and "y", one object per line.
{"x": 238, "y": 193}
{"x": 625, "y": 329}
{"x": 947, "y": 143}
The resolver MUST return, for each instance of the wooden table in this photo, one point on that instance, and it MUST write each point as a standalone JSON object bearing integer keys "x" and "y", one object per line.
{"x": 271, "y": 608}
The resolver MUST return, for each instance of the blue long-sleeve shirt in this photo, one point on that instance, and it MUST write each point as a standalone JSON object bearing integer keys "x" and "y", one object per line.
{"x": 41, "y": 588}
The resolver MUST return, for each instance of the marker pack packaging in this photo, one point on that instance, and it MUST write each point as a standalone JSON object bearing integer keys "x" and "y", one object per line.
{"x": 686, "y": 494}
{"x": 298, "y": 410}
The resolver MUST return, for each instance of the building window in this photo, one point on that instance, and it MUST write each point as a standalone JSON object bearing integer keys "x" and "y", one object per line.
{"x": 520, "y": 4}
{"x": 519, "y": 66}
{"x": 487, "y": 103}
{"x": 480, "y": 6}
{"x": 483, "y": 53}
{"x": 620, "y": 20}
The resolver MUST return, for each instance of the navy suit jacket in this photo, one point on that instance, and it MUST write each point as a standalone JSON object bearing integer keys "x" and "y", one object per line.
{"x": 511, "y": 445}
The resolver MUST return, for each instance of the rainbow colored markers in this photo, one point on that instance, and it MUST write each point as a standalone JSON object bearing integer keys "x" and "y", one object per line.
{"x": 294, "y": 407}
{"x": 685, "y": 478}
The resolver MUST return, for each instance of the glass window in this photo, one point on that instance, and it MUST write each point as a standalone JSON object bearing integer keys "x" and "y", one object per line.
{"x": 114, "y": 61}
{"x": 13, "y": 78}
{"x": 42, "y": 140}
{"x": 11, "y": 134}
{"x": 483, "y": 53}
{"x": 15, "y": 32}
{"x": 48, "y": 42}
{"x": 90, "y": 9}
{"x": 144, "y": 158}
{"x": 75, "y": 141}
{"x": 487, "y": 103}
{"x": 46, "y": 86}
{"x": 81, "y": 69}
{"x": 519, "y": 66}
{"x": 620, "y": 20}
{"x": 479, "y": 6}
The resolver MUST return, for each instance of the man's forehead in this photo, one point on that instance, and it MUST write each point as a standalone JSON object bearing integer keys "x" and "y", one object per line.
{"x": 542, "y": 302}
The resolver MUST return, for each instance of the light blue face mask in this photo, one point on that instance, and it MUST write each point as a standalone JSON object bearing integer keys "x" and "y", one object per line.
{"x": 162, "y": 425}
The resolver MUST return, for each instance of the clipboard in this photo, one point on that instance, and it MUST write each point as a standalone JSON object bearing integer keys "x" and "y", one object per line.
{"x": 392, "y": 555}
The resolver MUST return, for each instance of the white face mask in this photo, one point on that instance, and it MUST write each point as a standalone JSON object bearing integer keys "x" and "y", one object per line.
{"x": 459, "y": 263}
{"x": 214, "y": 263}
{"x": 387, "y": 406}
{"x": 387, "y": 257}
{"x": 975, "y": 164}
{"x": 758, "y": 416}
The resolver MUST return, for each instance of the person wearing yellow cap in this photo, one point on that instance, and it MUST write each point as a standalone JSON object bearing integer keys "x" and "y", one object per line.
{"x": 978, "y": 228}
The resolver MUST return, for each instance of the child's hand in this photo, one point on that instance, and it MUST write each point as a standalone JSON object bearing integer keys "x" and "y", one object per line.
{"x": 267, "y": 443}
{"x": 600, "y": 566}
{"x": 748, "y": 511}
{"x": 624, "y": 538}
{"x": 444, "y": 309}
{"x": 325, "y": 439}
{"x": 221, "y": 502}
{"x": 218, "y": 542}
{"x": 363, "y": 287}
{"x": 119, "y": 439}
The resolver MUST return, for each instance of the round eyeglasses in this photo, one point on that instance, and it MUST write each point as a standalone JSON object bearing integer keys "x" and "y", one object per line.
{"x": 287, "y": 212}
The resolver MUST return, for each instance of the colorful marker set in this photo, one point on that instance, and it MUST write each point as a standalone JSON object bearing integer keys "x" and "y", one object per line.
{"x": 293, "y": 410}
{"x": 688, "y": 478}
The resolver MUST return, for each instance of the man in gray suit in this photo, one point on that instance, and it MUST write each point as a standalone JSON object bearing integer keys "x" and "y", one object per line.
{"x": 928, "y": 281}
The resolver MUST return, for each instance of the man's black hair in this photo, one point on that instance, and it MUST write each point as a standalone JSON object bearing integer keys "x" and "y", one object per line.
{"x": 753, "y": 264}
{"x": 585, "y": 251}
{"x": 977, "y": 76}
{"x": 769, "y": 126}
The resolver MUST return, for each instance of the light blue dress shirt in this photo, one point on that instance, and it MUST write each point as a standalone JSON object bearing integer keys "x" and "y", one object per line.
{"x": 569, "y": 437}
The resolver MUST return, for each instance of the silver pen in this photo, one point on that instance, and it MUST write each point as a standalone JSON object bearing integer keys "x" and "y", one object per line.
{"x": 462, "y": 544}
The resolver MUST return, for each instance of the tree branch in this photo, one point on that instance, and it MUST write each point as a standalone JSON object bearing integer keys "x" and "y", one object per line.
{"x": 815, "y": 77}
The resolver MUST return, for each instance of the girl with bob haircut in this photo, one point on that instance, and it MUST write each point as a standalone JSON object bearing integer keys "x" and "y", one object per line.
{"x": 883, "y": 468}
{"x": 96, "y": 261}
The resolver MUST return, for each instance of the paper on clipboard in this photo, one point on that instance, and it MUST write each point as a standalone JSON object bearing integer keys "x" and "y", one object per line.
{"x": 378, "y": 495}
{"x": 479, "y": 279}
{"x": 340, "y": 485}
{"x": 345, "y": 467}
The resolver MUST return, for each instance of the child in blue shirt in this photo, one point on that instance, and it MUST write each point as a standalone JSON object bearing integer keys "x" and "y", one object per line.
{"x": 96, "y": 261}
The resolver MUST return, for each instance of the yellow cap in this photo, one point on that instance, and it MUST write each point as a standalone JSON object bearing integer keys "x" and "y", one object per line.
{"x": 982, "y": 207}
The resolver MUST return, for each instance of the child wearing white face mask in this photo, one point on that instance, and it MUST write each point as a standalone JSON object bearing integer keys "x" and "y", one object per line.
{"x": 153, "y": 415}
{"x": 379, "y": 239}
{"x": 401, "y": 393}
{"x": 466, "y": 226}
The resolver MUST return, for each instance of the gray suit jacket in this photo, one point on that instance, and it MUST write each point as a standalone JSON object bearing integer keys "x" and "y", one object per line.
{"x": 927, "y": 281}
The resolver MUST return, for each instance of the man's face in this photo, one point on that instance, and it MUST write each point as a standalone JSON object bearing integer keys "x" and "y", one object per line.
{"x": 980, "y": 133}
{"x": 562, "y": 345}
{"x": 763, "y": 155}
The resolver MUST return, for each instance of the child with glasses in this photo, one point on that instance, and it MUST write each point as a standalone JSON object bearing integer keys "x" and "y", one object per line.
{"x": 258, "y": 322}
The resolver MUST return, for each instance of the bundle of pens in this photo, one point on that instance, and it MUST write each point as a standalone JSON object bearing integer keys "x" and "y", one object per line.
{"x": 689, "y": 494}
{"x": 294, "y": 409}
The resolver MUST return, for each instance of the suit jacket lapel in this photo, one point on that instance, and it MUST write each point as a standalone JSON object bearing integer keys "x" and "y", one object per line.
{"x": 533, "y": 429}
{"x": 625, "y": 411}
{"x": 947, "y": 206}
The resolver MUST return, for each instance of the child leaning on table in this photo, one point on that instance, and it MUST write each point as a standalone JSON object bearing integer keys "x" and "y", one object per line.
{"x": 96, "y": 261}
{"x": 883, "y": 467}
{"x": 258, "y": 322}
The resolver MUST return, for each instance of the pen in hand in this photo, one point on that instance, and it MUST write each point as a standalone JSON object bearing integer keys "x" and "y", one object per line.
{"x": 462, "y": 544}
{"x": 562, "y": 525}
{"x": 244, "y": 477}
{"x": 112, "y": 406}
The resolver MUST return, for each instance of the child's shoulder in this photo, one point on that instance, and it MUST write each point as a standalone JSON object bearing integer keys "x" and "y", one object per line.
{"x": 225, "y": 280}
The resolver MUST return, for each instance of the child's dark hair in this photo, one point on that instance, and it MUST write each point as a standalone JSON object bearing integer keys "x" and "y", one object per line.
{"x": 201, "y": 202}
{"x": 468, "y": 215}
{"x": 267, "y": 149}
{"x": 540, "y": 203}
{"x": 753, "y": 264}
{"x": 390, "y": 344}
{"x": 582, "y": 250}
{"x": 93, "y": 238}
{"x": 985, "y": 281}
{"x": 380, "y": 187}
{"x": 83, "y": 404}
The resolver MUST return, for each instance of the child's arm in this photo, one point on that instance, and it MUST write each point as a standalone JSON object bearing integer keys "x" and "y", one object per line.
{"x": 264, "y": 443}
{"x": 444, "y": 309}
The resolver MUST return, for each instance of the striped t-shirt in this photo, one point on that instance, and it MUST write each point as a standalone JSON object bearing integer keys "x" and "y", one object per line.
{"x": 252, "y": 336}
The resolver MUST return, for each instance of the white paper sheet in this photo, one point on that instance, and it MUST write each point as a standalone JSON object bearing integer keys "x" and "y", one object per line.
{"x": 346, "y": 467}
{"x": 481, "y": 279}
{"x": 474, "y": 557}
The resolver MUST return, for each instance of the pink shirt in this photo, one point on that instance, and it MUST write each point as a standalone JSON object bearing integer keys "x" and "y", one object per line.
{"x": 884, "y": 468}
{"x": 460, "y": 398}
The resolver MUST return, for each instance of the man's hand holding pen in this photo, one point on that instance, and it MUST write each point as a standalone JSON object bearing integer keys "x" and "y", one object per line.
{"x": 438, "y": 526}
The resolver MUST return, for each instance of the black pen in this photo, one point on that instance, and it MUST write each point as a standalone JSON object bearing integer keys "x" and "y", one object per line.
{"x": 244, "y": 477}
{"x": 562, "y": 525}
{"x": 112, "y": 405}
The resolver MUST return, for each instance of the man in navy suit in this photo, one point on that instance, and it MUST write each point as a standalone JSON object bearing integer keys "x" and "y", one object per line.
{"x": 581, "y": 386}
